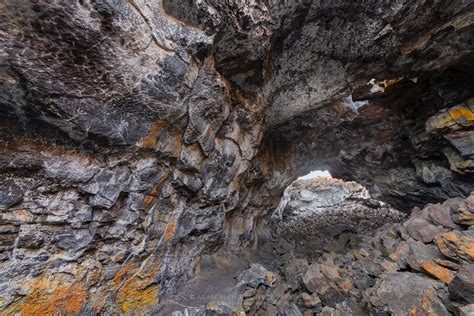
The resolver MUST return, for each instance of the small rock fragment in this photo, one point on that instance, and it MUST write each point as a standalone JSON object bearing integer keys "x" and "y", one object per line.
{"x": 312, "y": 300}
{"x": 294, "y": 271}
{"x": 328, "y": 311}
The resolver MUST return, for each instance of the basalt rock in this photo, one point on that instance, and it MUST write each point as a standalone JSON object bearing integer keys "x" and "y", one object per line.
{"x": 462, "y": 287}
{"x": 370, "y": 273}
{"x": 139, "y": 136}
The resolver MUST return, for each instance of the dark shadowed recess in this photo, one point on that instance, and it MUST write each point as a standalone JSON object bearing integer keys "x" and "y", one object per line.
{"x": 384, "y": 146}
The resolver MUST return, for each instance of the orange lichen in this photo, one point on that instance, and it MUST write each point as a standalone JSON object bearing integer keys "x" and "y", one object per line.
{"x": 455, "y": 245}
{"x": 120, "y": 274}
{"x": 149, "y": 141}
{"x": 150, "y": 197}
{"x": 389, "y": 82}
{"x": 4, "y": 125}
{"x": 149, "y": 200}
{"x": 37, "y": 146}
{"x": 169, "y": 230}
{"x": 427, "y": 303}
{"x": 53, "y": 296}
{"x": 437, "y": 271}
{"x": 383, "y": 135}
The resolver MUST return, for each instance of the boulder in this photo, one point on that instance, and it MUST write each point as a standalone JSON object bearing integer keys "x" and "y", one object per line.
{"x": 422, "y": 230}
{"x": 463, "y": 141}
{"x": 466, "y": 211}
{"x": 461, "y": 289}
{"x": 321, "y": 277}
{"x": 405, "y": 293}
{"x": 294, "y": 271}
{"x": 420, "y": 252}
{"x": 456, "y": 245}
{"x": 466, "y": 310}
{"x": 441, "y": 215}
{"x": 257, "y": 275}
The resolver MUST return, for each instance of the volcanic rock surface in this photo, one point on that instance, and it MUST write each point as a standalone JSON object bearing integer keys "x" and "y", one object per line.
{"x": 336, "y": 269}
{"x": 141, "y": 137}
{"x": 328, "y": 206}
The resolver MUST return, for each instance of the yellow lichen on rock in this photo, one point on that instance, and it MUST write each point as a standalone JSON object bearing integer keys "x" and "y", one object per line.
{"x": 455, "y": 118}
{"x": 132, "y": 297}
{"x": 135, "y": 285}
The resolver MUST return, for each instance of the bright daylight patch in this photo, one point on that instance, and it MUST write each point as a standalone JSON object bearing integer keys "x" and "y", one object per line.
{"x": 315, "y": 174}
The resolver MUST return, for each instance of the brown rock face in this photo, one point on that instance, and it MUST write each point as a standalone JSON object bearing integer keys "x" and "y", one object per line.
{"x": 139, "y": 136}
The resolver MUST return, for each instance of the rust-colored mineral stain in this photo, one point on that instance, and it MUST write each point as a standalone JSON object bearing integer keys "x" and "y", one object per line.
{"x": 149, "y": 141}
{"x": 151, "y": 197}
{"x": 439, "y": 272}
{"x": 149, "y": 200}
{"x": 169, "y": 230}
{"x": 415, "y": 44}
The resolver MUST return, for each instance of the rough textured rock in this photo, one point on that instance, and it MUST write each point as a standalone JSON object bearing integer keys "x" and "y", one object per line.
{"x": 456, "y": 245}
{"x": 466, "y": 211}
{"x": 257, "y": 275}
{"x": 138, "y": 136}
{"x": 462, "y": 287}
{"x": 324, "y": 202}
{"x": 369, "y": 274}
{"x": 421, "y": 230}
{"x": 417, "y": 293}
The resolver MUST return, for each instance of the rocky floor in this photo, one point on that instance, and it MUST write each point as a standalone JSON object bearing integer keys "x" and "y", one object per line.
{"x": 389, "y": 265}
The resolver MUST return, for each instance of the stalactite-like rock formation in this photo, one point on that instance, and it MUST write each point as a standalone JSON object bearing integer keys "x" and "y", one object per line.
{"x": 139, "y": 136}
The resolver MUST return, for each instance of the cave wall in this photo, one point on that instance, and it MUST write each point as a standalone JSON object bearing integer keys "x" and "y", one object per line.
{"x": 138, "y": 135}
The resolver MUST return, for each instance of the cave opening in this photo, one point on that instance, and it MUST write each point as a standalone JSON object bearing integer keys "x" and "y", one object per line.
{"x": 320, "y": 215}
{"x": 316, "y": 174}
